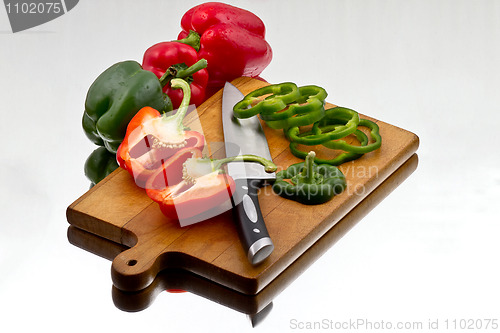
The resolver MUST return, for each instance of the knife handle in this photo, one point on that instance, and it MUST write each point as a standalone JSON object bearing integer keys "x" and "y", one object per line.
{"x": 250, "y": 222}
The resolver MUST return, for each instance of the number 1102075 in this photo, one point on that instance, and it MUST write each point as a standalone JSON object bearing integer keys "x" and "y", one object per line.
{"x": 34, "y": 7}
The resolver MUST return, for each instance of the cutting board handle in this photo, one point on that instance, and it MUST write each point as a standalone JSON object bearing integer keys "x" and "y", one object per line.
{"x": 135, "y": 268}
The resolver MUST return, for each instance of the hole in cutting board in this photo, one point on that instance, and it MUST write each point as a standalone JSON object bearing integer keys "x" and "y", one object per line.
{"x": 132, "y": 262}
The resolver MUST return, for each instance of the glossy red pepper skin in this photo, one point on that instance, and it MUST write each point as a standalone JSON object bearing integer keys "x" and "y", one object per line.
{"x": 232, "y": 41}
{"x": 137, "y": 153}
{"x": 185, "y": 200}
{"x": 192, "y": 188}
{"x": 160, "y": 57}
{"x": 190, "y": 203}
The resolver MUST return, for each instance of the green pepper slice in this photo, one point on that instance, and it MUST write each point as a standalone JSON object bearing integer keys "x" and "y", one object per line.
{"x": 374, "y": 134}
{"x": 337, "y": 160}
{"x": 281, "y": 95}
{"x": 321, "y": 133}
{"x": 306, "y": 109}
{"x": 310, "y": 184}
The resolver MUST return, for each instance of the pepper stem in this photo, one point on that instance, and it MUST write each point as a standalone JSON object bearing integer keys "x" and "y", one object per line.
{"x": 269, "y": 166}
{"x": 308, "y": 170}
{"x": 178, "y": 117}
{"x": 192, "y": 39}
{"x": 200, "y": 64}
{"x": 173, "y": 72}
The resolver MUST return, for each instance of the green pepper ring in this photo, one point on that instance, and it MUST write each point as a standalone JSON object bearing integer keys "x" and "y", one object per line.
{"x": 282, "y": 95}
{"x": 337, "y": 160}
{"x": 313, "y": 96}
{"x": 298, "y": 113}
{"x": 318, "y": 135}
{"x": 299, "y": 120}
{"x": 374, "y": 134}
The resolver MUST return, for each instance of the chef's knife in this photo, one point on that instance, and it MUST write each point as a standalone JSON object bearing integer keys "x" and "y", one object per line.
{"x": 245, "y": 136}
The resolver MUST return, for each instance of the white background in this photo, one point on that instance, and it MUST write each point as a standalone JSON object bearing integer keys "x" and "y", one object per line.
{"x": 428, "y": 251}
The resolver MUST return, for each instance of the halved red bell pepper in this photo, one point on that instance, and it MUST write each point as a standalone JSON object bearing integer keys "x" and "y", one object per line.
{"x": 194, "y": 202}
{"x": 168, "y": 60}
{"x": 152, "y": 138}
{"x": 232, "y": 41}
{"x": 171, "y": 170}
{"x": 204, "y": 190}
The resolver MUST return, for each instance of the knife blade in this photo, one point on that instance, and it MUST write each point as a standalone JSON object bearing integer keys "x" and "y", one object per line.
{"x": 246, "y": 136}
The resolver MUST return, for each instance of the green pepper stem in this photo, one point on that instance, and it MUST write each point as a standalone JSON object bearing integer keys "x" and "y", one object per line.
{"x": 172, "y": 72}
{"x": 308, "y": 170}
{"x": 166, "y": 77}
{"x": 192, "y": 39}
{"x": 200, "y": 64}
{"x": 269, "y": 166}
{"x": 178, "y": 117}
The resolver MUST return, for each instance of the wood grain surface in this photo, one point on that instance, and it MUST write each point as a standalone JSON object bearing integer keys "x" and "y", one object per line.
{"x": 177, "y": 279}
{"x": 117, "y": 210}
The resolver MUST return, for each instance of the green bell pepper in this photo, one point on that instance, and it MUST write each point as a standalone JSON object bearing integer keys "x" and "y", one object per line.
{"x": 310, "y": 184}
{"x": 99, "y": 164}
{"x": 115, "y": 97}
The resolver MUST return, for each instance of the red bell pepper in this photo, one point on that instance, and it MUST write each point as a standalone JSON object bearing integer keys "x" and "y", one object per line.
{"x": 232, "y": 41}
{"x": 194, "y": 202}
{"x": 175, "y": 59}
{"x": 152, "y": 138}
{"x": 171, "y": 171}
{"x": 203, "y": 192}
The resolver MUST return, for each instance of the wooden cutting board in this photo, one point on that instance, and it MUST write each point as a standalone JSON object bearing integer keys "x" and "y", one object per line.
{"x": 117, "y": 210}
{"x": 176, "y": 279}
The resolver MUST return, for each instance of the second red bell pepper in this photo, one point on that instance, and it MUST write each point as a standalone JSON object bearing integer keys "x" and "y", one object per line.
{"x": 168, "y": 60}
{"x": 204, "y": 190}
{"x": 231, "y": 39}
{"x": 194, "y": 202}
